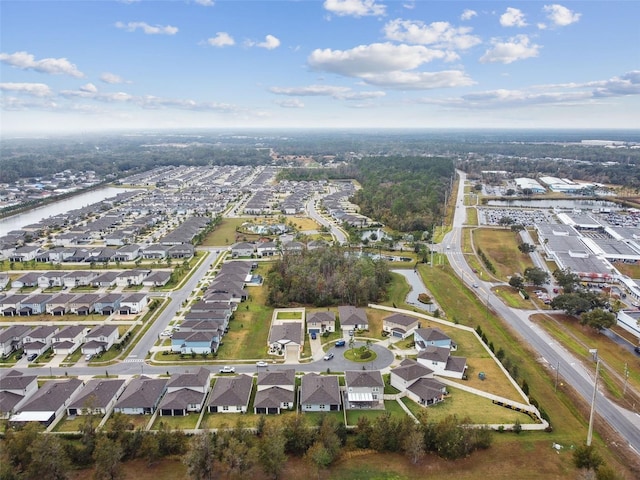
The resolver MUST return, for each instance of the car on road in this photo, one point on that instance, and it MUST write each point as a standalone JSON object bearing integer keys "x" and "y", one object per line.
{"x": 637, "y": 350}
{"x": 32, "y": 357}
{"x": 475, "y": 285}
{"x": 227, "y": 369}
{"x": 261, "y": 364}
{"x": 340, "y": 343}
{"x": 328, "y": 356}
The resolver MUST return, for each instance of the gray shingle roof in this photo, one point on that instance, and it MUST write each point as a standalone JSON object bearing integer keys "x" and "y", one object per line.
{"x": 436, "y": 354}
{"x": 51, "y": 396}
{"x": 410, "y": 370}
{"x": 278, "y": 377}
{"x": 97, "y": 393}
{"x": 291, "y": 331}
{"x": 352, "y": 316}
{"x": 401, "y": 319}
{"x": 319, "y": 390}
{"x": 363, "y": 378}
{"x": 231, "y": 391}
{"x": 273, "y": 397}
{"x": 142, "y": 392}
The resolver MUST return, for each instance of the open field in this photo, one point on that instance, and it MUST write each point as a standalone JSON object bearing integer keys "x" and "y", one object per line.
{"x": 501, "y": 247}
{"x": 630, "y": 270}
{"x": 513, "y": 298}
{"x": 225, "y": 233}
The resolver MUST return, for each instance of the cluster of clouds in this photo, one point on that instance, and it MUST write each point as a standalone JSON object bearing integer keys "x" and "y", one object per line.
{"x": 399, "y": 62}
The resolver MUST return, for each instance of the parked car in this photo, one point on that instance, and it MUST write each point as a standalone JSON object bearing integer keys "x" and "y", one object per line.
{"x": 88, "y": 357}
{"x": 32, "y": 357}
{"x": 227, "y": 369}
{"x": 313, "y": 335}
{"x": 328, "y": 356}
{"x": 340, "y": 343}
{"x": 261, "y": 364}
{"x": 637, "y": 350}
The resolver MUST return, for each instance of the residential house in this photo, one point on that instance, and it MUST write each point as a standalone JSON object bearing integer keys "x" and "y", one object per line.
{"x": 59, "y": 305}
{"x": 319, "y": 393}
{"x": 34, "y": 304}
{"x": 131, "y": 277}
{"x": 364, "y": 389}
{"x": 267, "y": 249}
{"x": 231, "y": 394}
{"x": 194, "y": 342}
{"x": 141, "y": 396}
{"x": 101, "y": 255}
{"x": 105, "y": 280}
{"x": 96, "y": 397}
{"x": 24, "y": 254}
{"x": 15, "y": 389}
{"x": 432, "y": 337}
{"x": 100, "y": 339}
{"x": 51, "y": 279}
{"x": 80, "y": 278}
{"x": 69, "y": 339}
{"x": 11, "y": 304}
{"x": 4, "y": 281}
{"x": 11, "y": 338}
{"x": 400, "y": 325}
{"x": 127, "y": 253}
{"x": 417, "y": 381}
{"x": 320, "y": 322}
{"x": 158, "y": 278}
{"x": 133, "y": 304}
{"x": 186, "y": 393}
{"x": 286, "y": 338}
{"x": 26, "y": 280}
{"x": 352, "y": 319}
{"x": 242, "y": 249}
{"x": 108, "y": 304}
{"x": 39, "y": 340}
{"x": 184, "y": 250}
{"x": 48, "y": 402}
{"x": 275, "y": 391}
{"x": 440, "y": 360}
{"x": 155, "y": 252}
{"x": 83, "y": 304}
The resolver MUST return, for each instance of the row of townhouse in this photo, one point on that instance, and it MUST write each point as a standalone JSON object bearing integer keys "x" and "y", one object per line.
{"x": 271, "y": 248}
{"x": 59, "y": 304}
{"x": 88, "y": 278}
{"x": 64, "y": 341}
{"x": 207, "y": 321}
{"x": 22, "y": 401}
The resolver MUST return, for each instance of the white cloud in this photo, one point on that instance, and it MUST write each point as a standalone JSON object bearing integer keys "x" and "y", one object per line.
{"x": 468, "y": 14}
{"x": 54, "y": 66}
{"x": 205, "y": 3}
{"x": 372, "y": 59}
{"x": 33, "y": 89}
{"x": 89, "y": 88}
{"x": 338, "y": 93}
{"x": 561, "y": 16}
{"x": 516, "y": 48}
{"x": 270, "y": 42}
{"x": 438, "y": 34}
{"x": 513, "y": 17}
{"x": 419, "y": 80}
{"x": 112, "y": 78}
{"x": 627, "y": 84}
{"x": 148, "y": 29}
{"x": 355, "y": 8}
{"x": 290, "y": 103}
{"x": 222, "y": 39}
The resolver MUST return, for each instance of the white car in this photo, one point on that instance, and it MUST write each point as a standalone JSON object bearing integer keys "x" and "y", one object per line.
{"x": 227, "y": 369}
{"x": 88, "y": 357}
{"x": 262, "y": 364}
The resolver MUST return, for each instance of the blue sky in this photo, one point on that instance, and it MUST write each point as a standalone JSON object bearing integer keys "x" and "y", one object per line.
{"x": 98, "y": 64}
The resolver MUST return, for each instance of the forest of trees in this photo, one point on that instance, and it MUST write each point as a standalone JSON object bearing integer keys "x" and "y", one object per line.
{"x": 326, "y": 276}
{"x": 235, "y": 451}
{"x": 405, "y": 193}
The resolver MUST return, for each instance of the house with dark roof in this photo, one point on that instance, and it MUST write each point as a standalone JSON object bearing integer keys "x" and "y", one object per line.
{"x": 286, "y": 338}
{"x": 133, "y": 304}
{"x": 275, "y": 391}
{"x": 400, "y": 325}
{"x": 108, "y": 304}
{"x": 231, "y": 394}
{"x": 432, "y": 337}
{"x": 11, "y": 338}
{"x": 131, "y": 277}
{"x": 106, "y": 279}
{"x": 100, "y": 339}
{"x": 48, "y": 402}
{"x": 319, "y": 393}
{"x": 26, "y": 280}
{"x": 364, "y": 389}
{"x": 141, "y": 396}
{"x": 51, "y": 279}
{"x": 417, "y": 381}
{"x": 59, "y": 305}
{"x": 83, "y": 304}
{"x": 39, "y": 340}
{"x": 205, "y": 339}
{"x": 69, "y": 339}
{"x": 15, "y": 389}
{"x": 320, "y": 322}
{"x": 158, "y": 278}
{"x": 96, "y": 397}
{"x": 352, "y": 318}
{"x": 186, "y": 392}
{"x": 80, "y": 278}
{"x": 440, "y": 360}
{"x": 242, "y": 249}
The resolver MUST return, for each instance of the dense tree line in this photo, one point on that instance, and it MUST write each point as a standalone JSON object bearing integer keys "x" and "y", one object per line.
{"x": 236, "y": 452}
{"x": 326, "y": 276}
{"x": 405, "y": 193}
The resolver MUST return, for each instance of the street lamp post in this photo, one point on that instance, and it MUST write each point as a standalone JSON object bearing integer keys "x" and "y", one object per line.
{"x": 593, "y": 406}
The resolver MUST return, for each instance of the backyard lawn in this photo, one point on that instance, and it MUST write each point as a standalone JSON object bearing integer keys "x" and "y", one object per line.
{"x": 390, "y": 406}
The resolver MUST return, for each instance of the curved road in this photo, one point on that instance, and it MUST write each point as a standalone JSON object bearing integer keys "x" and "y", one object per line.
{"x": 626, "y": 423}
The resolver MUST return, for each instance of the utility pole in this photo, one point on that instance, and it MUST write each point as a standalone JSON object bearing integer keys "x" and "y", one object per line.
{"x": 593, "y": 405}
{"x": 557, "y": 374}
{"x": 626, "y": 378}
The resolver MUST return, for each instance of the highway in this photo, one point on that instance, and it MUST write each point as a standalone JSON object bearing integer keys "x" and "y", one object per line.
{"x": 579, "y": 376}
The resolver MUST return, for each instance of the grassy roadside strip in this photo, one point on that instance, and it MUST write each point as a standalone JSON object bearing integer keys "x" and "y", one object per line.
{"x": 566, "y": 410}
